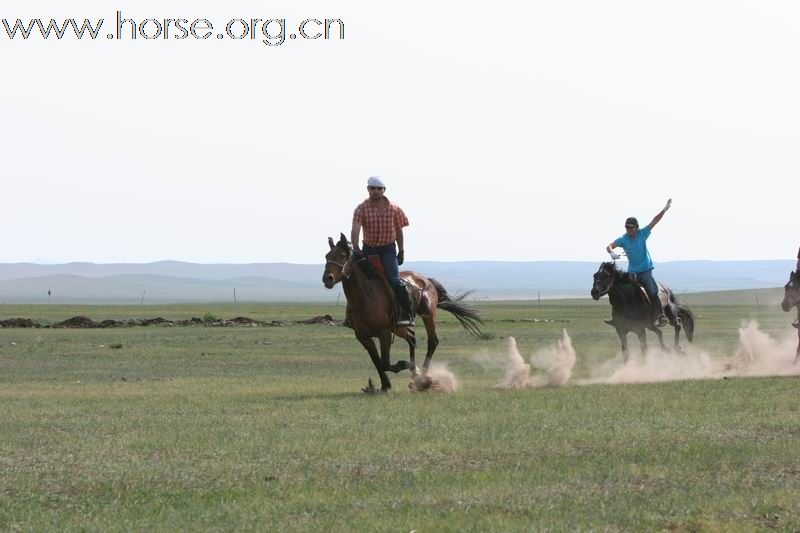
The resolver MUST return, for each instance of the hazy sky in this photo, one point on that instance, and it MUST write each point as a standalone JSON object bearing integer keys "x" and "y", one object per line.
{"x": 507, "y": 130}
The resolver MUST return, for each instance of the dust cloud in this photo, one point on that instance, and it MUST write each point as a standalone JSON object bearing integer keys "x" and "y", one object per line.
{"x": 757, "y": 354}
{"x": 555, "y": 364}
{"x": 439, "y": 379}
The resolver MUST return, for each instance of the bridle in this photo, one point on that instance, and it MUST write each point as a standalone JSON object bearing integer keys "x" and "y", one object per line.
{"x": 607, "y": 289}
{"x": 347, "y": 266}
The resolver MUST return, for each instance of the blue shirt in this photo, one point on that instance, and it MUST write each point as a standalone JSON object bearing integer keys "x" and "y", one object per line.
{"x": 638, "y": 257}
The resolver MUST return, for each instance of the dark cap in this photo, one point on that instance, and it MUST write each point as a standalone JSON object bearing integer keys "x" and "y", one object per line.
{"x": 631, "y": 222}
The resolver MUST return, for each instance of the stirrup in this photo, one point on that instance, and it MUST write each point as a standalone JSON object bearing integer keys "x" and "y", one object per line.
{"x": 662, "y": 321}
{"x": 405, "y": 320}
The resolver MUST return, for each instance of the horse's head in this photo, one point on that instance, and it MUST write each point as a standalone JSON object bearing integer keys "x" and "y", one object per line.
{"x": 603, "y": 280}
{"x": 339, "y": 262}
{"x": 791, "y": 292}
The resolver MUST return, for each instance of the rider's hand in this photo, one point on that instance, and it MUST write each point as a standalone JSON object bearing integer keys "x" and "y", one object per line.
{"x": 614, "y": 256}
{"x": 669, "y": 204}
{"x": 401, "y": 256}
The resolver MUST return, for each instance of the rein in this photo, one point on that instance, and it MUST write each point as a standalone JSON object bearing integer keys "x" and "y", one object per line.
{"x": 343, "y": 266}
{"x": 611, "y": 284}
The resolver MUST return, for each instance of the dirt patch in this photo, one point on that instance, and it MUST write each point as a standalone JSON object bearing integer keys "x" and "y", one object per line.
{"x": 326, "y": 320}
{"x": 19, "y": 323}
{"x": 243, "y": 320}
{"x": 83, "y": 322}
{"x": 77, "y": 322}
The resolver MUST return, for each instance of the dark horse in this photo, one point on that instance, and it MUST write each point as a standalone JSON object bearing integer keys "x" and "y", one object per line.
{"x": 631, "y": 309}
{"x": 791, "y": 298}
{"x": 371, "y": 308}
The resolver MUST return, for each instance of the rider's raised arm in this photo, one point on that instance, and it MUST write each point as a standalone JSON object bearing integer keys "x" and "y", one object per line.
{"x": 660, "y": 214}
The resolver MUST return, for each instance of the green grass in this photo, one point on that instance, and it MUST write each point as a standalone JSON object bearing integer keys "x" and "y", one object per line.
{"x": 266, "y": 429}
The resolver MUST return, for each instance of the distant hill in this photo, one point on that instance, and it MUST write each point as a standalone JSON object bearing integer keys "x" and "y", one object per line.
{"x": 133, "y": 289}
{"x": 175, "y": 281}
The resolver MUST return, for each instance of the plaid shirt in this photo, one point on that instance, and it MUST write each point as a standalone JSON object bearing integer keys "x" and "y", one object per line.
{"x": 380, "y": 227}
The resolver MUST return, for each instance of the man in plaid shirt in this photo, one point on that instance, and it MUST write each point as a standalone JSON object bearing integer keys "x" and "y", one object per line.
{"x": 383, "y": 223}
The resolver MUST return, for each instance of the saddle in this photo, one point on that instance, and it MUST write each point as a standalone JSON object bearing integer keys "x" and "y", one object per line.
{"x": 663, "y": 291}
{"x": 376, "y": 262}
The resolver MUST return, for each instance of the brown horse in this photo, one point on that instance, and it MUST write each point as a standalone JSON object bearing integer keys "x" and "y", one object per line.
{"x": 371, "y": 308}
{"x": 791, "y": 298}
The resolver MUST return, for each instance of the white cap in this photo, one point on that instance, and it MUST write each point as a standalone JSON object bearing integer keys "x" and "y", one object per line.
{"x": 375, "y": 181}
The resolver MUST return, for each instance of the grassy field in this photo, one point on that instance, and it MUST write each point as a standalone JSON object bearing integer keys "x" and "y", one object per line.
{"x": 266, "y": 429}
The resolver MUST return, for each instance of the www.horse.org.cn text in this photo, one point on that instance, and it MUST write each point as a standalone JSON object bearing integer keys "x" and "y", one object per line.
{"x": 269, "y": 31}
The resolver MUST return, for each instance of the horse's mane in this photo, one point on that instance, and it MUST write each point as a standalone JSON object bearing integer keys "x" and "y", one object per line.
{"x": 362, "y": 261}
{"x": 623, "y": 277}
{"x": 619, "y": 275}
{"x": 366, "y": 265}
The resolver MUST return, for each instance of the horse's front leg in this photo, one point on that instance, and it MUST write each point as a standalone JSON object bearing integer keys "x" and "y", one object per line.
{"x": 386, "y": 360}
{"x": 623, "y": 339}
{"x": 408, "y": 335}
{"x": 369, "y": 345}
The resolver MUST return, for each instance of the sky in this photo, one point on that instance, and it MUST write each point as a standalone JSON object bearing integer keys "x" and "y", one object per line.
{"x": 506, "y": 130}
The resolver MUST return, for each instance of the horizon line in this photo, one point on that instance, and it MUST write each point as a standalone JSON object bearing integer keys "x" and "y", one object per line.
{"x": 46, "y": 263}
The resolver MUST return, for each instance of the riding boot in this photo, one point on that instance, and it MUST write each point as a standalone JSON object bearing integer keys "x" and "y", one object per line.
{"x": 661, "y": 318}
{"x": 405, "y": 318}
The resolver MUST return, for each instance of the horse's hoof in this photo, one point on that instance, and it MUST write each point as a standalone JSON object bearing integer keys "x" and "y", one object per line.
{"x": 370, "y": 388}
{"x": 420, "y": 383}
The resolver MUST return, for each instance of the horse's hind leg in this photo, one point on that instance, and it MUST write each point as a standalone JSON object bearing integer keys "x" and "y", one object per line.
{"x": 660, "y": 336}
{"x": 797, "y": 357}
{"x": 642, "y": 334}
{"x": 677, "y": 337}
{"x": 433, "y": 342}
{"x": 369, "y": 345}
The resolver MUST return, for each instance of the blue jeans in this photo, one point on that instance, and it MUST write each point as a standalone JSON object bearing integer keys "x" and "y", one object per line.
{"x": 388, "y": 255}
{"x": 646, "y": 279}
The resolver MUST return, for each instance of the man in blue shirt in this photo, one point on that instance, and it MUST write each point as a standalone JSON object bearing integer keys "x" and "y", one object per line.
{"x": 634, "y": 242}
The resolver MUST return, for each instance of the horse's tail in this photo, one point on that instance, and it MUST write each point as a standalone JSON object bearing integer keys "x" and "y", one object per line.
{"x": 687, "y": 321}
{"x": 466, "y": 315}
